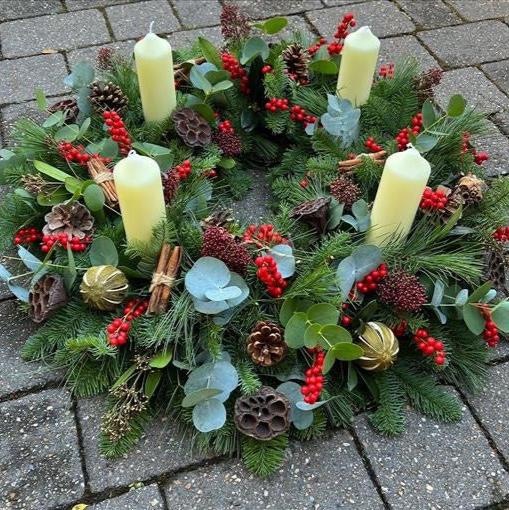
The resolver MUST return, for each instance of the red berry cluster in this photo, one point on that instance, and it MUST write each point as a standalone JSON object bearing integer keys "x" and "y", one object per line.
{"x": 304, "y": 183}
{"x": 386, "y": 71}
{"x": 479, "y": 157}
{"x": 400, "y": 329}
{"x": 298, "y": 114}
{"x": 232, "y": 65}
{"x": 183, "y": 170}
{"x": 403, "y": 137}
{"x": 117, "y": 131}
{"x": 370, "y": 282}
{"x": 268, "y": 273}
{"x": 225, "y": 127}
{"x": 335, "y": 47}
{"x": 371, "y": 145}
{"x": 314, "y": 49}
{"x": 433, "y": 200}
{"x": 314, "y": 377}
{"x": 430, "y": 346}
{"x": 263, "y": 235}
{"x": 27, "y": 236}
{"x": 266, "y": 69}
{"x": 275, "y": 104}
{"x": 490, "y": 333}
{"x": 118, "y": 330}
{"x": 501, "y": 234}
{"x": 78, "y": 155}
{"x": 63, "y": 241}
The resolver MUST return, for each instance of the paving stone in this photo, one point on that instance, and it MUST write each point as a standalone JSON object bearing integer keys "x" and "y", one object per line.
{"x": 398, "y": 48}
{"x": 124, "y": 48}
{"x": 17, "y": 375}
{"x": 144, "y": 498}
{"x": 160, "y": 450}
{"x": 13, "y": 9}
{"x": 46, "y": 72}
{"x": 308, "y": 479}
{"x": 295, "y": 24}
{"x": 198, "y": 13}
{"x": 254, "y": 207}
{"x": 497, "y": 146}
{"x": 340, "y": 2}
{"x": 435, "y": 466}
{"x": 40, "y": 464}
{"x": 381, "y": 16}
{"x": 133, "y": 20}
{"x": 184, "y": 39}
{"x": 481, "y": 9}
{"x": 258, "y": 9}
{"x": 429, "y": 14}
{"x": 58, "y": 32}
{"x": 474, "y": 86}
{"x": 74, "y": 5}
{"x": 472, "y": 43}
{"x": 499, "y": 73}
{"x": 502, "y": 121}
{"x": 13, "y": 112}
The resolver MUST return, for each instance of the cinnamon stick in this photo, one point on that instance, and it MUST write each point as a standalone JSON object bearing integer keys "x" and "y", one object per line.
{"x": 103, "y": 176}
{"x": 349, "y": 164}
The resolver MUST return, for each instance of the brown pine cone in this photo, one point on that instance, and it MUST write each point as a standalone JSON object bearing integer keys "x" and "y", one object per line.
{"x": 297, "y": 61}
{"x": 194, "y": 130}
{"x": 108, "y": 97}
{"x": 69, "y": 107}
{"x": 46, "y": 296}
{"x": 74, "y": 219}
{"x": 266, "y": 345}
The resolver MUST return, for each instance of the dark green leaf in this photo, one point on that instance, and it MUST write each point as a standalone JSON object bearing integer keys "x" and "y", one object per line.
{"x": 94, "y": 197}
{"x": 424, "y": 142}
{"x": 428, "y": 113}
{"x": 67, "y": 133}
{"x": 210, "y": 52}
{"x": 152, "y": 382}
{"x": 70, "y": 272}
{"x": 222, "y": 85}
{"x": 347, "y": 351}
{"x": 103, "y": 252}
{"x": 227, "y": 163}
{"x": 324, "y": 67}
{"x": 480, "y": 292}
{"x": 272, "y": 25}
{"x": 456, "y": 105}
{"x": 55, "y": 119}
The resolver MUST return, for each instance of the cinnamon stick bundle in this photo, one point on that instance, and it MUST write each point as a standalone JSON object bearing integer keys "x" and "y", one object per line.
{"x": 103, "y": 176}
{"x": 164, "y": 278}
{"x": 349, "y": 164}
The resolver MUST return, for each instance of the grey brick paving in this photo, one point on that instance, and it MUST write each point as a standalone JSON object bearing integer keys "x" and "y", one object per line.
{"x": 160, "y": 450}
{"x": 89, "y": 54}
{"x": 58, "y": 32}
{"x": 145, "y": 498}
{"x": 435, "y": 466}
{"x": 198, "y": 13}
{"x": 326, "y": 474}
{"x": 502, "y": 121}
{"x": 17, "y": 375}
{"x": 475, "y": 87}
{"x": 39, "y": 458}
{"x": 430, "y": 13}
{"x": 11, "y": 113}
{"x": 13, "y": 9}
{"x": 484, "y": 41}
{"x": 382, "y": 16}
{"x": 258, "y": 9}
{"x": 46, "y": 72}
{"x": 133, "y": 20}
{"x": 499, "y": 73}
{"x": 397, "y": 48}
{"x": 497, "y": 146}
{"x": 183, "y": 39}
{"x": 74, "y": 5}
{"x": 481, "y": 9}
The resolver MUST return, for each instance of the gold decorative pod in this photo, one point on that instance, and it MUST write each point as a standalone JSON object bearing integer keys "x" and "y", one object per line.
{"x": 104, "y": 287}
{"x": 380, "y": 347}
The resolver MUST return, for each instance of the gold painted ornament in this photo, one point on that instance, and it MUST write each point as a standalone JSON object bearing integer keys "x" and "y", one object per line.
{"x": 104, "y": 287}
{"x": 380, "y": 347}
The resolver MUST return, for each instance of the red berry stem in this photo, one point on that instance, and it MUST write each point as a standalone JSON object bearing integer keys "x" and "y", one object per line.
{"x": 225, "y": 127}
{"x": 433, "y": 200}
{"x": 118, "y": 330}
{"x": 314, "y": 378}
{"x": 370, "y": 282}
{"x": 430, "y": 346}
{"x": 276, "y": 104}
{"x": 501, "y": 234}
{"x": 263, "y": 236}
{"x": 117, "y": 131}
{"x": 386, "y": 71}
{"x": 479, "y": 157}
{"x": 268, "y": 274}
{"x": 77, "y": 154}
{"x": 232, "y": 65}
{"x": 298, "y": 114}
{"x": 372, "y": 145}
{"x": 27, "y": 236}
{"x": 63, "y": 240}
{"x": 403, "y": 137}
{"x": 490, "y": 333}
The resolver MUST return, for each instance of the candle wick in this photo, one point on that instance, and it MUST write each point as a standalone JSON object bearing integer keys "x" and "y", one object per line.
{"x": 132, "y": 152}
{"x": 151, "y": 27}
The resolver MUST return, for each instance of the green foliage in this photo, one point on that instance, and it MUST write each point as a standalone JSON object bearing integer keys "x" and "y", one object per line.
{"x": 249, "y": 380}
{"x": 264, "y": 457}
{"x": 314, "y": 431}
{"x": 276, "y": 82}
{"x": 339, "y": 408}
{"x": 16, "y": 212}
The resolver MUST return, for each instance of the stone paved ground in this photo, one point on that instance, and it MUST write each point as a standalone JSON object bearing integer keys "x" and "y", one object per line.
{"x": 48, "y": 440}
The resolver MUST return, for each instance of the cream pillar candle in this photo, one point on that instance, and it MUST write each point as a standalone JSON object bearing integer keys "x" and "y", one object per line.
{"x": 140, "y": 195}
{"x": 403, "y": 182}
{"x": 358, "y": 63}
{"x": 154, "y": 65}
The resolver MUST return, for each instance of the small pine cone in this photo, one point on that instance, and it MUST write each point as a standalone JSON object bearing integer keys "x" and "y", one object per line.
{"x": 219, "y": 243}
{"x": 194, "y": 130}
{"x": 265, "y": 344}
{"x": 108, "y": 97}
{"x": 297, "y": 62}
{"x": 69, "y": 107}
{"x": 345, "y": 191}
{"x": 229, "y": 143}
{"x": 471, "y": 189}
{"x": 171, "y": 183}
{"x": 46, "y": 296}
{"x": 104, "y": 58}
{"x": 402, "y": 290}
{"x": 73, "y": 219}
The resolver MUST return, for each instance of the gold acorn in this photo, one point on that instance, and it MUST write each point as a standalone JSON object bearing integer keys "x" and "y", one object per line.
{"x": 104, "y": 287}
{"x": 380, "y": 347}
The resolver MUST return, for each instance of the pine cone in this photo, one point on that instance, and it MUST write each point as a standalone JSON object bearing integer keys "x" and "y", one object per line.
{"x": 313, "y": 212}
{"x": 108, "y": 97}
{"x": 345, "y": 191}
{"x": 73, "y": 219}
{"x": 263, "y": 415}
{"x": 171, "y": 183}
{"x": 192, "y": 127}
{"x": 471, "y": 189}
{"x": 47, "y": 295}
{"x": 266, "y": 345}
{"x": 229, "y": 143}
{"x": 297, "y": 61}
{"x": 69, "y": 106}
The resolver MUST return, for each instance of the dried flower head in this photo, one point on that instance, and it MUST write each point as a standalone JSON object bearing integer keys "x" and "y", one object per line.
{"x": 229, "y": 143}
{"x": 234, "y": 25}
{"x": 402, "y": 291}
{"x": 105, "y": 58}
{"x": 345, "y": 191}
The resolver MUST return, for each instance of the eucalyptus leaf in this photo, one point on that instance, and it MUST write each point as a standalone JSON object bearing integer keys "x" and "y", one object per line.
{"x": 198, "y": 396}
{"x": 347, "y": 351}
{"x": 312, "y": 336}
{"x": 219, "y": 375}
{"x": 273, "y": 25}
{"x": 456, "y": 106}
{"x": 324, "y": 67}
{"x": 209, "y": 307}
{"x": 30, "y": 260}
{"x": 54, "y": 119}
{"x": 473, "y": 319}
{"x": 207, "y": 273}
{"x": 94, "y": 197}
{"x": 20, "y": 292}
{"x": 428, "y": 113}
{"x": 295, "y": 329}
{"x": 152, "y": 382}
{"x": 209, "y": 415}
{"x": 461, "y": 298}
{"x": 223, "y": 294}
{"x": 199, "y": 81}
{"x": 323, "y": 313}
{"x": 252, "y": 48}
{"x": 366, "y": 258}
{"x": 300, "y": 419}
{"x": 285, "y": 261}
{"x": 103, "y": 252}
{"x": 345, "y": 276}
{"x": 42, "y": 103}
{"x": 500, "y": 316}
{"x": 290, "y": 306}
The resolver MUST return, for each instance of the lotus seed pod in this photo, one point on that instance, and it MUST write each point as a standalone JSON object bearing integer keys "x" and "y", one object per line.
{"x": 380, "y": 347}
{"x": 104, "y": 287}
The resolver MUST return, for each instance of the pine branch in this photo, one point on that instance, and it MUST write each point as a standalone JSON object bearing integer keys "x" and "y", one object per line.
{"x": 314, "y": 431}
{"x": 264, "y": 457}
{"x": 249, "y": 380}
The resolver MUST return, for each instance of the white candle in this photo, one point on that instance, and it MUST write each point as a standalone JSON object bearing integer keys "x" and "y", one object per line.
{"x": 140, "y": 194}
{"x": 403, "y": 181}
{"x": 358, "y": 64}
{"x": 154, "y": 65}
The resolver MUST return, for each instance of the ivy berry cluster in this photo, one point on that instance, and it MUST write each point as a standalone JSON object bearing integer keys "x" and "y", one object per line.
{"x": 433, "y": 200}
{"x": 27, "y": 236}
{"x": 372, "y": 145}
{"x": 370, "y": 282}
{"x": 298, "y": 114}
{"x": 430, "y": 346}
{"x": 77, "y": 154}
{"x": 117, "y": 131}
{"x": 268, "y": 274}
{"x": 232, "y": 65}
{"x": 313, "y": 386}
{"x": 64, "y": 241}
{"x": 490, "y": 333}
{"x": 501, "y": 234}
{"x": 118, "y": 330}
{"x": 403, "y": 137}
{"x": 276, "y": 104}
{"x": 335, "y": 47}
